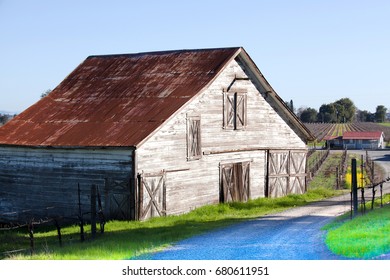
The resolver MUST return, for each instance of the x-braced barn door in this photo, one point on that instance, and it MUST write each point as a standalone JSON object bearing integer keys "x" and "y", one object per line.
{"x": 297, "y": 172}
{"x": 235, "y": 182}
{"x": 286, "y": 173}
{"x": 152, "y": 195}
{"x": 120, "y": 200}
{"x": 278, "y": 178}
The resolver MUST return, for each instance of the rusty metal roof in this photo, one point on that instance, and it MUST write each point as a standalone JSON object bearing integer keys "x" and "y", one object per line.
{"x": 119, "y": 100}
{"x": 362, "y": 135}
{"x": 116, "y": 100}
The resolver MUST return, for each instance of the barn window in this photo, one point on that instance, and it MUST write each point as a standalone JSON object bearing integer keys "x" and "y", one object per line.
{"x": 194, "y": 148}
{"x": 235, "y": 114}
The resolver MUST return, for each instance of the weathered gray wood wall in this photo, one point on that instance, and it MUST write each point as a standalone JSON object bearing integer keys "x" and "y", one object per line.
{"x": 43, "y": 182}
{"x": 193, "y": 183}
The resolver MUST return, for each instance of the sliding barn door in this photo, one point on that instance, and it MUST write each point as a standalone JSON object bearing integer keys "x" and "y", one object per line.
{"x": 297, "y": 172}
{"x": 286, "y": 173}
{"x": 278, "y": 178}
{"x": 235, "y": 182}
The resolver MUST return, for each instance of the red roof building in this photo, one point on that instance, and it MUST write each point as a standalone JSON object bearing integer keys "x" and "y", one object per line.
{"x": 362, "y": 135}
{"x": 363, "y": 140}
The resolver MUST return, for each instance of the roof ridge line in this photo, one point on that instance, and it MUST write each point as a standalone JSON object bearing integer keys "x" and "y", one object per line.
{"x": 163, "y": 52}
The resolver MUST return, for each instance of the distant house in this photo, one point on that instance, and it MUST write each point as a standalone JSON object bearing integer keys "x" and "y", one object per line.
{"x": 333, "y": 142}
{"x": 363, "y": 140}
{"x": 160, "y": 133}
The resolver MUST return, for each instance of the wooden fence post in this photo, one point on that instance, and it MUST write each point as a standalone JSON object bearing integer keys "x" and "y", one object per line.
{"x": 381, "y": 188}
{"x": 93, "y": 210}
{"x": 56, "y": 223}
{"x": 81, "y": 220}
{"x": 351, "y": 203}
{"x": 361, "y": 171}
{"x": 102, "y": 219}
{"x": 354, "y": 188}
{"x": 30, "y": 228}
{"x": 373, "y": 198}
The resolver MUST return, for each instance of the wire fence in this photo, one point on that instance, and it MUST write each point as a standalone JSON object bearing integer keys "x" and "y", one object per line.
{"x": 371, "y": 182}
{"x": 315, "y": 160}
{"x": 95, "y": 215}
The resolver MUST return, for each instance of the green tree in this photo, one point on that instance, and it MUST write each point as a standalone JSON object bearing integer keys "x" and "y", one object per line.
{"x": 380, "y": 113}
{"x": 4, "y": 118}
{"x": 327, "y": 113}
{"x": 290, "y": 104}
{"x": 308, "y": 115}
{"x": 365, "y": 116}
{"x": 340, "y": 111}
{"x": 345, "y": 110}
{"x": 44, "y": 94}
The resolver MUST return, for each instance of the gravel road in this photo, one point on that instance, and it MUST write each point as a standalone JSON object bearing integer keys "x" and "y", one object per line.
{"x": 294, "y": 234}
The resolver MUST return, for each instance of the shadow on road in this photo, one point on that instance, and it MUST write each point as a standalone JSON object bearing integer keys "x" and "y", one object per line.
{"x": 383, "y": 158}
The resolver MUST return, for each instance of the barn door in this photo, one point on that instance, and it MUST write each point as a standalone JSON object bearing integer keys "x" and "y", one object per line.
{"x": 235, "y": 182}
{"x": 152, "y": 195}
{"x": 297, "y": 172}
{"x": 278, "y": 173}
{"x": 119, "y": 200}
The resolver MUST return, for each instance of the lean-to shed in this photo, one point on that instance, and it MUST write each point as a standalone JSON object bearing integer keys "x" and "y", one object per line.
{"x": 160, "y": 133}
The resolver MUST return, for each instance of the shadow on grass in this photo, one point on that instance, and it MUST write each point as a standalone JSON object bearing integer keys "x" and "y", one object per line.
{"x": 116, "y": 243}
{"x": 124, "y": 240}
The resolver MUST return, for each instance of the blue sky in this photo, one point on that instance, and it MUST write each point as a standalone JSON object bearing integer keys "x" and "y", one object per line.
{"x": 312, "y": 52}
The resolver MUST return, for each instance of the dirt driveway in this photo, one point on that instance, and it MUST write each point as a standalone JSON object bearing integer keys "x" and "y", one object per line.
{"x": 294, "y": 234}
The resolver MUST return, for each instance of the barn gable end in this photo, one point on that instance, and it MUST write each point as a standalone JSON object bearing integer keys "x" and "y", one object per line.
{"x": 254, "y": 149}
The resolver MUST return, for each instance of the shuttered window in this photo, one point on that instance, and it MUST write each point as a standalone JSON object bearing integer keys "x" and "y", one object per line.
{"x": 194, "y": 147}
{"x": 235, "y": 114}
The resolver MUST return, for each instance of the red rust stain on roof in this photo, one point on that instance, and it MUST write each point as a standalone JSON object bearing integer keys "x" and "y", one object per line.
{"x": 362, "y": 135}
{"x": 116, "y": 100}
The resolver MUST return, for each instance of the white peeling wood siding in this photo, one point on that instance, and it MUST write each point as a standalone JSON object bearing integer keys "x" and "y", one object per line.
{"x": 193, "y": 183}
{"x": 33, "y": 179}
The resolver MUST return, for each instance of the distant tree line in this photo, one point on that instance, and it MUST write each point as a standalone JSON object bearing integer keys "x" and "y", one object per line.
{"x": 4, "y": 118}
{"x": 340, "y": 111}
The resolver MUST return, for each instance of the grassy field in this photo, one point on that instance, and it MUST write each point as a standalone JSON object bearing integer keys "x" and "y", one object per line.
{"x": 363, "y": 237}
{"x": 123, "y": 240}
{"x": 385, "y": 124}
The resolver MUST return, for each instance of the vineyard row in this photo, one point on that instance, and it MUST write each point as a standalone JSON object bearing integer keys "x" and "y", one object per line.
{"x": 322, "y": 130}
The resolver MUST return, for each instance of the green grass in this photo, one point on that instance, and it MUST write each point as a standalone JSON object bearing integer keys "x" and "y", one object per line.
{"x": 385, "y": 123}
{"x": 326, "y": 175}
{"x": 364, "y": 237}
{"x": 123, "y": 240}
{"x": 315, "y": 144}
{"x": 314, "y": 158}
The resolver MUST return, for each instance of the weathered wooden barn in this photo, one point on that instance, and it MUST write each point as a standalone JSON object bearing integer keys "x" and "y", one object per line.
{"x": 160, "y": 133}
